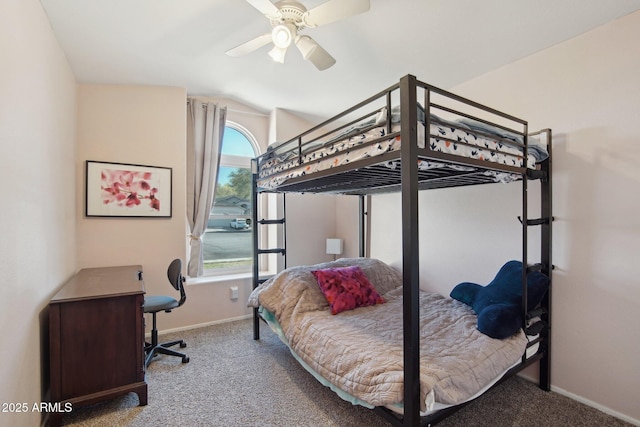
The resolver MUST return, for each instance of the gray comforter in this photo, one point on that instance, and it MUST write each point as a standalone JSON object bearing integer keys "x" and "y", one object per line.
{"x": 360, "y": 351}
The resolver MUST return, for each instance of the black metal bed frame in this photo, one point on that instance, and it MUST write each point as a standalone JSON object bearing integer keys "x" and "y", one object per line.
{"x": 368, "y": 176}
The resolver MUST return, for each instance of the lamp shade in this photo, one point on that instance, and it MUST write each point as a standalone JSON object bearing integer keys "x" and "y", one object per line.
{"x": 313, "y": 52}
{"x": 278, "y": 53}
{"x": 306, "y": 45}
{"x": 334, "y": 246}
{"x": 282, "y": 35}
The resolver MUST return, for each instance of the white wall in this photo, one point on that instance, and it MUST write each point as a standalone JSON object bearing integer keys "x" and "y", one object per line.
{"x": 588, "y": 91}
{"x": 37, "y": 219}
{"x": 455, "y": 226}
{"x": 347, "y": 217}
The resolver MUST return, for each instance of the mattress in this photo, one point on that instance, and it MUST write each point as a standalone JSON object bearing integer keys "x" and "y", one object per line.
{"x": 358, "y": 353}
{"x": 465, "y": 138}
{"x": 431, "y": 407}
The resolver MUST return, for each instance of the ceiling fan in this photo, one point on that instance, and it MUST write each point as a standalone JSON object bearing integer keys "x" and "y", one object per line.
{"x": 288, "y": 18}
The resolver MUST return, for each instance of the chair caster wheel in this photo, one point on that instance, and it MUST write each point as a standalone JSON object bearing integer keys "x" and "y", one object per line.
{"x": 185, "y": 359}
{"x": 183, "y": 344}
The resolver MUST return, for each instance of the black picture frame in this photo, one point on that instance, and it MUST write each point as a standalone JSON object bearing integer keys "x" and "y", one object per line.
{"x": 127, "y": 190}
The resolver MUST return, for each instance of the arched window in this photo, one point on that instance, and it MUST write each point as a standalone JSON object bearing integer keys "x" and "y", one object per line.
{"x": 227, "y": 241}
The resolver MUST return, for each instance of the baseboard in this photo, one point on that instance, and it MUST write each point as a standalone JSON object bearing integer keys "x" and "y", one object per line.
{"x": 201, "y": 325}
{"x": 596, "y": 405}
{"x": 587, "y": 402}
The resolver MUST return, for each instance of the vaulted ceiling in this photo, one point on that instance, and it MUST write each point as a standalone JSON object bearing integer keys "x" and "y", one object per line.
{"x": 183, "y": 43}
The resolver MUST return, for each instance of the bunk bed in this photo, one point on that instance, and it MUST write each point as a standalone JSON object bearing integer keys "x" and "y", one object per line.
{"x": 410, "y": 137}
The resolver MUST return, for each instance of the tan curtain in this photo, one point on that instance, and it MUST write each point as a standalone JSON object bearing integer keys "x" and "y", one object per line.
{"x": 205, "y": 128}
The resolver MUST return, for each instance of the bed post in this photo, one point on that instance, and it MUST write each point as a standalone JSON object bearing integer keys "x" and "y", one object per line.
{"x": 547, "y": 263}
{"x": 361, "y": 226}
{"x": 525, "y": 226}
{"x": 254, "y": 233}
{"x": 410, "y": 256}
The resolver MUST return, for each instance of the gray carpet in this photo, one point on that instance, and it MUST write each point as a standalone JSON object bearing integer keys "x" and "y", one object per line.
{"x": 233, "y": 380}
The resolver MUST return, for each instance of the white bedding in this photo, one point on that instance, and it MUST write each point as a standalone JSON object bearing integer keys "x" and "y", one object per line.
{"x": 464, "y": 138}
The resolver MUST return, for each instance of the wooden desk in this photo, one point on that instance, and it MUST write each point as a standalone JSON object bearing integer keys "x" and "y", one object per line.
{"x": 96, "y": 333}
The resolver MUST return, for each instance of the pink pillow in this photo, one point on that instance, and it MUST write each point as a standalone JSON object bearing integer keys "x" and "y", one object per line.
{"x": 346, "y": 288}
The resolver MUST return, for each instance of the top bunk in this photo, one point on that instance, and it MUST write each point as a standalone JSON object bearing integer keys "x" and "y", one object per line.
{"x": 361, "y": 150}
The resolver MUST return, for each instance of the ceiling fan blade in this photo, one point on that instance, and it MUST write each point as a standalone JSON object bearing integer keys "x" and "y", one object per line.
{"x": 265, "y": 7}
{"x": 250, "y": 46}
{"x": 314, "y": 53}
{"x": 334, "y": 10}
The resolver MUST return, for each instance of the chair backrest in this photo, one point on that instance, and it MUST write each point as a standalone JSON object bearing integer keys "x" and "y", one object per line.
{"x": 174, "y": 272}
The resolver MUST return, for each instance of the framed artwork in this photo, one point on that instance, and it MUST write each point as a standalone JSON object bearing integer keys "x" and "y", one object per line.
{"x": 126, "y": 190}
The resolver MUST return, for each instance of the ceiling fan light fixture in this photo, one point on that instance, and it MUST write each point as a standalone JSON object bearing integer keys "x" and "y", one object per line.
{"x": 321, "y": 59}
{"x": 278, "y": 53}
{"x": 288, "y": 17}
{"x": 282, "y": 35}
{"x": 306, "y": 45}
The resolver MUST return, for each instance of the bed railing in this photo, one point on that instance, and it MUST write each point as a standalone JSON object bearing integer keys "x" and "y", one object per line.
{"x": 383, "y": 112}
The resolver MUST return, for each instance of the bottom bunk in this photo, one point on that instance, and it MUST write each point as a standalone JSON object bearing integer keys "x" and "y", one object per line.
{"x": 343, "y": 322}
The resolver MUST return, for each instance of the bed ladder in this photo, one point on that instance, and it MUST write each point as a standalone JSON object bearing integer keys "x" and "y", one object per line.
{"x": 259, "y": 230}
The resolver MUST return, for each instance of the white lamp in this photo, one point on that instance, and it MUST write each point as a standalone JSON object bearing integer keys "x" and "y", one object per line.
{"x": 277, "y": 54}
{"x": 306, "y": 45}
{"x": 313, "y": 52}
{"x": 282, "y": 36}
{"x": 334, "y": 247}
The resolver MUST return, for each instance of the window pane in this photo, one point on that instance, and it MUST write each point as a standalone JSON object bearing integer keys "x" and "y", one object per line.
{"x": 228, "y": 243}
{"x": 233, "y": 194}
{"x": 227, "y": 248}
{"x": 236, "y": 144}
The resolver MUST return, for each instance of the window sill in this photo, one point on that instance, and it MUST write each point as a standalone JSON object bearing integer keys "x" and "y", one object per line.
{"x": 206, "y": 280}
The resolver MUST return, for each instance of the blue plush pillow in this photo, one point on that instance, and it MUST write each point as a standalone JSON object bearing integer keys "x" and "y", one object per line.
{"x": 498, "y": 304}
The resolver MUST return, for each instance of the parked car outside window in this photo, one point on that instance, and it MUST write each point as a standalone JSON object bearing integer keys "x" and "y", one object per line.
{"x": 239, "y": 223}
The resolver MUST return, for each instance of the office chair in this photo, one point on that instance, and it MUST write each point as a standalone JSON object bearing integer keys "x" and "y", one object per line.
{"x": 156, "y": 303}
